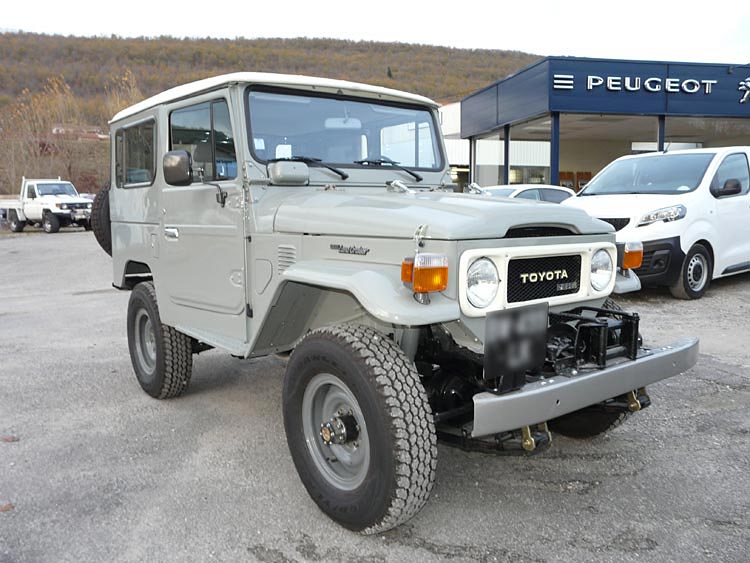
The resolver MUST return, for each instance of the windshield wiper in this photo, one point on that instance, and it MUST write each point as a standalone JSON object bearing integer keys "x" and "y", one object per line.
{"x": 310, "y": 161}
{"x": 385, "y": 160}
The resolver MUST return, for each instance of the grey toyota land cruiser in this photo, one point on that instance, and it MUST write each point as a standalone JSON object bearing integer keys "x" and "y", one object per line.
{"x": 272, "y": 214}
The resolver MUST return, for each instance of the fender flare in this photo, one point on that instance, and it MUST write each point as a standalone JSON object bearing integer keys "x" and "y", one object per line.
{"x": 378, "y": 288}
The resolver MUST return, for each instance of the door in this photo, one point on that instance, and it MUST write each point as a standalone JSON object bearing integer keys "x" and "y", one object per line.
{"x": 32, "y": 208}
{"x": 732, "y": 216}
{"x": 202, "y": 251}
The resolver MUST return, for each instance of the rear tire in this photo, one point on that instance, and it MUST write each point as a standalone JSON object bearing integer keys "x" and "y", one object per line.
{"x": 383, "y": 474}
{"x": 695, "y": 274}
{"x": 100, "y": 220}
{"x": 50, "y": 222}
{"x": 162, "y": 357}
{"x": 86, "y": 224}
{"x": 14, "y": 223}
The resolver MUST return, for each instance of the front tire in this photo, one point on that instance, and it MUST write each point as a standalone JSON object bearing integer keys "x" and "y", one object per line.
{"x": 100, "y": 220}
{"x": 50, "y": 223}
{"x": 162, "y": 357}
{"x": 695, "y": 274}
{"x": 381, "y": 470}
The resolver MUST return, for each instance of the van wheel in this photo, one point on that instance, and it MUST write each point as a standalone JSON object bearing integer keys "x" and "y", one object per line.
{"x": 359, "y": 427}
{"x": 15, "y": 224}
{"x": 50, "y": 222}
{"x": 100, "y": 220}
{"x": 695, "y": 274}
{"x": 162, "y": 357}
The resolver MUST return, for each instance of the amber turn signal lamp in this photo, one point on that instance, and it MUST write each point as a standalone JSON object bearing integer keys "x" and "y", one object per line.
{"x": 632, "y": 256}
{"x": 425, "y": 272}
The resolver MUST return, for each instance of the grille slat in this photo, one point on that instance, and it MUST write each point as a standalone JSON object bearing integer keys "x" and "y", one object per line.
{"x": 546, "y": 276}
{"x": 617, "y": 222}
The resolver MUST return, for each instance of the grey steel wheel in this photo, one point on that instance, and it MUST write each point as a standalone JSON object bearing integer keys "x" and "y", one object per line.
{"x": 328, "y": 404}
{"x": 145, "y": 342}
{"x": 697, "y": 272}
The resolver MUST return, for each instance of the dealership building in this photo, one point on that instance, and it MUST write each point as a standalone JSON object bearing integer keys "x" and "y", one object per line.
{"x": 569, "y": 117}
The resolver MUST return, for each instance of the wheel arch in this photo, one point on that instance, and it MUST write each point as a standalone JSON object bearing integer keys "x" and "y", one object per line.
{"x": 704, "y": 242}
{"x": 134, "y": 273}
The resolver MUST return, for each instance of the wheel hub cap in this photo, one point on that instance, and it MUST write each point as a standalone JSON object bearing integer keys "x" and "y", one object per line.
{"x": 339, "y": 430}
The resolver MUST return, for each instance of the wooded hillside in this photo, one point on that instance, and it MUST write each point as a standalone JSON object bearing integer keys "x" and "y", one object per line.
{"x": 84, "y": 81}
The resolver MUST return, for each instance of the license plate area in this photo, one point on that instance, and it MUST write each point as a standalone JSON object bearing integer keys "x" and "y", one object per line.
{"x": 515, "y": 343}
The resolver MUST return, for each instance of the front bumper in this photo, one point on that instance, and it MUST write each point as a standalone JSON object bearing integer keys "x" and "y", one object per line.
{"x": 549, "y": 398}
{"x": 662, "y": 261}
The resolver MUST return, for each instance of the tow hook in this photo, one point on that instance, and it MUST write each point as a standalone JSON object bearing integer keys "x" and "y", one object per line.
{"x": 528, "y": 442}
{"x": 634, "y": 405}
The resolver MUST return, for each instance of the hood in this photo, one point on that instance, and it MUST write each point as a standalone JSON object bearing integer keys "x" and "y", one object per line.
{"x": 623, "y": 205}
{"x": 64, "y": 199}
{"x": 448, "y": 216}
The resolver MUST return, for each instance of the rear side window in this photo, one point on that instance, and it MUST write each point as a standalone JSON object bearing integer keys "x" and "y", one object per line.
{"x": 555, "y": 196}
{"x": 734, "y": 167}
{"x": 135, "y": 155}
{"x": 205, "y": 131}
{"x": 529, "y": 194}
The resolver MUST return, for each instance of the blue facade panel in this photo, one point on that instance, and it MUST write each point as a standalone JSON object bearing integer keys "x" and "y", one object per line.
{"x": 524, "y": 95}
{"x": 575, "y": 85}
{"x": 479, "y": 112}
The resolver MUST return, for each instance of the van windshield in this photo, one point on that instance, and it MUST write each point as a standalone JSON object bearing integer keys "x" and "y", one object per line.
{"x": 62, "y": 188}
{"x": 659, "y": 174}
{"x": 341, "y": 131}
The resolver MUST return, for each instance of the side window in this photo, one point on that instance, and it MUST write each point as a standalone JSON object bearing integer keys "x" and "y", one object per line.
{"x": 135, "y": 155}
{"x": 529, "y": 194}
{"x": 555, "y": 196}
{"x": 205, "y": 131}
{"x": 734, "y": 167}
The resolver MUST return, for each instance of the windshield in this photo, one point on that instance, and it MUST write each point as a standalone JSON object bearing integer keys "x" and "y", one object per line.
{"x": 341, "y": 131}
{"x": 662, "y": 174}
{"x": 500, "y": 192}
{"x": 63, "y": 188}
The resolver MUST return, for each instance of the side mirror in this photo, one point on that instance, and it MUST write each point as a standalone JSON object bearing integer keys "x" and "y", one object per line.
{"x": 31, "y": 195}
{"x": 177, "y": 167}
{"x": 288, "y": 173}
{"x": 730, "y": 187}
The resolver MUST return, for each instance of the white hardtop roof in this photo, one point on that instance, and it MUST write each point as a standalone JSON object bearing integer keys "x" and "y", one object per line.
{"x": 270, "y": 79}
{"x": 47, "y": 180}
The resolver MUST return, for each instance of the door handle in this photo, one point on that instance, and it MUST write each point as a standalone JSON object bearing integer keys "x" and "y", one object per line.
{"x": 172, "y": 232}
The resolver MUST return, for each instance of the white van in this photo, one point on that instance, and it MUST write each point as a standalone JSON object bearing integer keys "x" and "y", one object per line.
{"x": 689, "y": 208}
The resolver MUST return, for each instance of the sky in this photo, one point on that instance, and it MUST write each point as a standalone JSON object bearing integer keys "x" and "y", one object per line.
{"x": 707, "y": 31}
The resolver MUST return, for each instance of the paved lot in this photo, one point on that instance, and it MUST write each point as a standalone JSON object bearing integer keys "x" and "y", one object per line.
{"x": 101, "y": 472}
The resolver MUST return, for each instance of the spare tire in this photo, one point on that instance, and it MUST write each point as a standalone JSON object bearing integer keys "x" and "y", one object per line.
{"x": 100, "y": 222}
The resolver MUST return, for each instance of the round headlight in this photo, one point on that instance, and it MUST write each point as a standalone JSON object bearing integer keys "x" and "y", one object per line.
{"x": 89, "y": 206}
{"x": 482, "y": 283}
{"x": 601, "y": 270}
{"x": 63, "y": 206}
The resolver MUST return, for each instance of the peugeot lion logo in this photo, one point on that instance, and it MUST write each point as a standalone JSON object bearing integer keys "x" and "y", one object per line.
{"x": 745, "y": 89}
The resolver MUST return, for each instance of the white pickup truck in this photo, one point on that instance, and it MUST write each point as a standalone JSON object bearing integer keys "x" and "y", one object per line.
{"x": 52, "y": 203}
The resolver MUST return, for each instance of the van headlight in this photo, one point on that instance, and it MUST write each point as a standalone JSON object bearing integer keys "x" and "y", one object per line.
{"x": 482, "y": 282}
{"x": 602, "y": 270}
{"x": 665, "y": 214}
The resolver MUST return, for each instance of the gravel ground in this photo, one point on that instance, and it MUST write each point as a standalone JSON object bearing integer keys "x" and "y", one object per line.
{"x": 92, "y": 469}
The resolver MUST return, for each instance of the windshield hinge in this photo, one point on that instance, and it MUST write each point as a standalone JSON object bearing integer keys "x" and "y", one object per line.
{"x": 399, "y": 187}
{"x": 249, "y": 311}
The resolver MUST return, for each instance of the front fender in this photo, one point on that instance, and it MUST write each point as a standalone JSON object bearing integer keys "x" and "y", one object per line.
{"x": 378, "y": 288}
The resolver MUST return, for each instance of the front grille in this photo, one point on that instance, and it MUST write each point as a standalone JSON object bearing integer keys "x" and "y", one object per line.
{"x": 77, "y": 205}
{"x": 617, "y": 223}
{"x": 529, "y": 232}
{"x": 539, "y": 278}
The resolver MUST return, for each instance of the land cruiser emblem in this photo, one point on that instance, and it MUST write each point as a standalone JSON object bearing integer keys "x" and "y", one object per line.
{"x": 358, "y": 250}
{"x": 550, "y": 275}
{"x": 745, "y": 89}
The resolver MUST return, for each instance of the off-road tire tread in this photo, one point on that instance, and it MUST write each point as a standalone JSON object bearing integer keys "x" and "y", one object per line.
{"x": 178, "y": 354}
{"x": 19, "y": 225}
{"x": 404, "y": 400}
{"x": 54, "y": 222}
{"x": 100, "y": 220}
